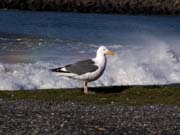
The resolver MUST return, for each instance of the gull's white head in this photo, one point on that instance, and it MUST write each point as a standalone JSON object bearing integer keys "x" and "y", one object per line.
{"x": 102, "y": 50}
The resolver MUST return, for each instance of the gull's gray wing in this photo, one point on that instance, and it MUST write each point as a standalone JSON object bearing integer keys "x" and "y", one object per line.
{"x": 79, "y": 68}
{"x": 82, "y": 67}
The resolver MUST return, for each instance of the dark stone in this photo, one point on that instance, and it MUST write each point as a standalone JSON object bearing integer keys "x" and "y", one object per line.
{"x": 97, "y": 6}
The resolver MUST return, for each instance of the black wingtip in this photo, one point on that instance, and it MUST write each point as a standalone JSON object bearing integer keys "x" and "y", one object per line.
{"x": 54, "y": 70}
{"x": 58, "y": 70}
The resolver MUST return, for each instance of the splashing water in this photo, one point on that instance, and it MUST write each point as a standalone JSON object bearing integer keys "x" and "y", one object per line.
{"x": 146, "y": 65}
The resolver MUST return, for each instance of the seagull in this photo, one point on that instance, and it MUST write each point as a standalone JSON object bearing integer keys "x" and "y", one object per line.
{"x": 86, "y": 70}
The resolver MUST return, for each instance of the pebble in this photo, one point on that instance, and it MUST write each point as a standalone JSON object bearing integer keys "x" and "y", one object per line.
{"x": 19, "y": 117}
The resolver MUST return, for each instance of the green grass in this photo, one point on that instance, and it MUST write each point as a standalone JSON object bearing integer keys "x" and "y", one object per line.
{"x": 125, "y": 95}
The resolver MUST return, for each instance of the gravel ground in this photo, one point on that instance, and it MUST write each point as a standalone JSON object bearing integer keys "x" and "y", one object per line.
{"x": 25, "y": 117}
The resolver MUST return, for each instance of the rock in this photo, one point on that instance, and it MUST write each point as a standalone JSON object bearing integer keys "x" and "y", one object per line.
{"x": 97, "y": 6}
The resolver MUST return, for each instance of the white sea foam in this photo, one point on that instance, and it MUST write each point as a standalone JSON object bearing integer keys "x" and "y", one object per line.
{"x": 155, "y": 63}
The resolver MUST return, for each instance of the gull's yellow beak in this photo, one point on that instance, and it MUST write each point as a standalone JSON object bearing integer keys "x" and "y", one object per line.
{"x": 111, "y": 53}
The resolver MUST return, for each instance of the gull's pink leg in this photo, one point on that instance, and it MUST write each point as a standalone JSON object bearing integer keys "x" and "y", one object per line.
{"x": 85, "y": 88}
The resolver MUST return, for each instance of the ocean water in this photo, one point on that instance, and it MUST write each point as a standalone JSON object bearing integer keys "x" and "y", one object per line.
{"x": 147, "y": 48}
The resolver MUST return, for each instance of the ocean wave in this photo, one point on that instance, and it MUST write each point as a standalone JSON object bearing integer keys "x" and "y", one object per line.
{"x": 156, "y": 63}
